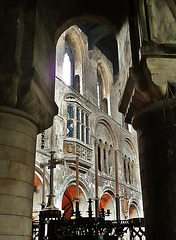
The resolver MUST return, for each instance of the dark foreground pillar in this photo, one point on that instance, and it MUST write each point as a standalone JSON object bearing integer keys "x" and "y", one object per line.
{"x": 157, "y": 150}
{"x": 18, "y": 133}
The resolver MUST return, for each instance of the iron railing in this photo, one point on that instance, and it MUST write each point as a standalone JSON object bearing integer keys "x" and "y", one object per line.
{"x": 52, "y": 228}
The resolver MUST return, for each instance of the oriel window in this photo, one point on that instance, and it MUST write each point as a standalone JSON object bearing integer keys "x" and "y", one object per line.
{"x": 70, "y": 121}
{"x": 70, "y": 128}
{"x": 69, "y": 112}
{"x": 82, "y": 133}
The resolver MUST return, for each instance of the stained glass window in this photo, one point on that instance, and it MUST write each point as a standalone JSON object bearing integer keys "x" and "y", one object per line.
{"x": 78, "y": 130}
{"x": 70, "y": 128}
{"x": 82, "y": 133}
{"x": 87, "y": 136}
{"x": 77, "y": 114}
{"x": 78, "y": 123}
{"x": 69, "y": 112}
{"x": 87, "y": 120}
{"x": 82, "y": 117}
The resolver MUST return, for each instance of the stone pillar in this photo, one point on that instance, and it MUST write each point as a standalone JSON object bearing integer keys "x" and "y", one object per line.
{"x": 157, "y": 151}
{"x": 116, "y": 154}
{"x": 17, "y": 164}
{"x": 96, "y": 178}
{"x": 101, "y": 145}
{"x": 126, "y": 166}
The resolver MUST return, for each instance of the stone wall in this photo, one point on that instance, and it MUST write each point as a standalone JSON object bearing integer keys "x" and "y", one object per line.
{"x": 102, "y": 126}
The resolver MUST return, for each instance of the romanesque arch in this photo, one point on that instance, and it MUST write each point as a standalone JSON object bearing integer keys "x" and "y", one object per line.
{"x": 69, "y": 195}
{"x": 134, "y": 209}
{"x": 70, "y": 43}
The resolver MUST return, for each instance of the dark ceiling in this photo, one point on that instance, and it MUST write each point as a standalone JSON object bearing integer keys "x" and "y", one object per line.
{"x": 101, "y": 36}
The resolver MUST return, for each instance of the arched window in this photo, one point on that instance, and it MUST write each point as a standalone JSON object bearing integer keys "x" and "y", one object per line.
{"x": 99, "y": 90}
{"x": 67, "y": 69}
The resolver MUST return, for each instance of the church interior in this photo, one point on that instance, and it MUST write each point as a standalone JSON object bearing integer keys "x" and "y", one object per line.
{"x": 87, "y": 119}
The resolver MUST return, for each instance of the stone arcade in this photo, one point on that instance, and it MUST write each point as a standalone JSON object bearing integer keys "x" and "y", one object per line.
{"x": 121, "y": 56}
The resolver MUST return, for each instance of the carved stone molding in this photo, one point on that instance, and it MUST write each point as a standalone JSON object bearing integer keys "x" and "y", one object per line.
{"x": 124, "y": 205}
{"x": 73, "y": 149}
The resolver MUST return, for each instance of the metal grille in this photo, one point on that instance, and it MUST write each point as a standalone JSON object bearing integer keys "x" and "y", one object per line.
{"x": 35, "y": 230}
{"x": 84, "y": 228}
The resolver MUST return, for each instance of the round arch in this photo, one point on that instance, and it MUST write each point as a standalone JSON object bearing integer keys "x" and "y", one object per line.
{"x": 104, "y": 79}
{"x": 101, "y": 67}
{"x": 84, "y": 191}
{"x": 106, "y": 123}
{"x": 134, "y": 209}
{"x": 107, "y": 202}
{"x": 68, "y": 201}
{"x": 132, "y": 148}
{"x": 70, "y": 43}
{"x": 84, "y": 18}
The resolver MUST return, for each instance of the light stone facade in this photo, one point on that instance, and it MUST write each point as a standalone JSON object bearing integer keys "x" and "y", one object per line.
{"x": 106, "y": 127}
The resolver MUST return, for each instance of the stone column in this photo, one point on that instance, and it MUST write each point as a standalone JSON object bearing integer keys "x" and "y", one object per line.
{"x": 101, "y": 145}
{"x": 126, "y": 166}
{"x": 96, "y": 178}
{"x": 116, "y": 154}
{"x": 77, "y": 186}
{"x": 43, "y": 189}
{"x": 18, "y": 133}
{"x": 157, "y": 151}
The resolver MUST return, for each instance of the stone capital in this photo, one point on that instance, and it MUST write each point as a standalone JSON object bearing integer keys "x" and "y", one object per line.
{"x": 150, "y": 83}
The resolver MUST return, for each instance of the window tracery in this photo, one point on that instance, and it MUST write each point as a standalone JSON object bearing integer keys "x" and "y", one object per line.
{"x": 78, "y": 122}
